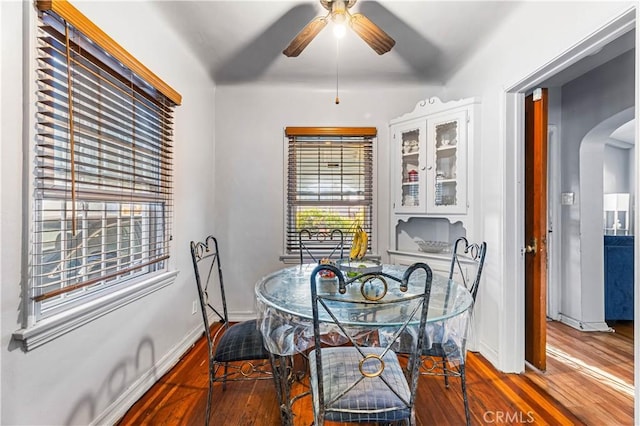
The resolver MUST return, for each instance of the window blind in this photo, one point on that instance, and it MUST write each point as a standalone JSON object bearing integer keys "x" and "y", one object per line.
{"x": 330, "y": 184}
{"x": 103, "y": 169}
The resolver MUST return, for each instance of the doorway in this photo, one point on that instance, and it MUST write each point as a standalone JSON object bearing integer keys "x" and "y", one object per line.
{"x": 515, "y": 242}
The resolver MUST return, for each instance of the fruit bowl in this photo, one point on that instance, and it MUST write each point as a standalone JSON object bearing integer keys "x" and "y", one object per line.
{"x": 433, "y": 246}
{"x": 359, "y": 266}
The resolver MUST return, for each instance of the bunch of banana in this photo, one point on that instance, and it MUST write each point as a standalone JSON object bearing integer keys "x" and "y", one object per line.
{"x": 359, "y": 244}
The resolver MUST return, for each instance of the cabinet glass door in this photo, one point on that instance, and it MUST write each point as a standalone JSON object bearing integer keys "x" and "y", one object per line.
{"x": 447, "y": 164}
{"x": 411, "y": 174}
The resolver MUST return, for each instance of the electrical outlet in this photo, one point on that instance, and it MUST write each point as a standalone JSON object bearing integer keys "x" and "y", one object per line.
{"x": 194, "y": 307}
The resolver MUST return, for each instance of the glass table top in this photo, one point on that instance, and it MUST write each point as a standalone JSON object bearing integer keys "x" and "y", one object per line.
{"x": 289, "y": 292}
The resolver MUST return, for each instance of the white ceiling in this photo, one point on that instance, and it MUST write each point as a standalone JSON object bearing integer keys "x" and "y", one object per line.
{"x": 242, "y": 41}
{"x": 625, "y": 133}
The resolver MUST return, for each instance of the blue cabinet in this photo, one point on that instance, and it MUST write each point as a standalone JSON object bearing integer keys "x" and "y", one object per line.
{"x": 618, "y": 277}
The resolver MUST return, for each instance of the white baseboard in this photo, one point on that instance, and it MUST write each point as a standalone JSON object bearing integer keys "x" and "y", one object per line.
{"x": 120, "y": 406}
{"x": 242, "y": 316}
{"x": 489, "y": 353}
{"x": 584, "y": 326}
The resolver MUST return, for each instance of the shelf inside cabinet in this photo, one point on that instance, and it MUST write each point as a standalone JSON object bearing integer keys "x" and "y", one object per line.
{"x": 415, "y": 229}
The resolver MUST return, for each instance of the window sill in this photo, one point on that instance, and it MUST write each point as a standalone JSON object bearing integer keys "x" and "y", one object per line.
{"x": 51, "y": 328}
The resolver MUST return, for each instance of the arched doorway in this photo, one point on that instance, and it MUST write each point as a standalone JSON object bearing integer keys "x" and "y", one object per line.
{"x": 590, "y": 288}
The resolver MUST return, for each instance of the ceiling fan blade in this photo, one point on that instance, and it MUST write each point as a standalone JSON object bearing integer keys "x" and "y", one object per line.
{"x": 371, "y": 33}
{"x": 305, "y": 36}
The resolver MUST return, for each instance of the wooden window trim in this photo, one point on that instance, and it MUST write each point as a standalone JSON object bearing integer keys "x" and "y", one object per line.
{"x": 331, "y": 131}
{"x": 73, "y": 16}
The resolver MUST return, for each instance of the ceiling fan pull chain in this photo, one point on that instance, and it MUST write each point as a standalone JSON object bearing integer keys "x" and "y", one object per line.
{"x": 337, "y": 68}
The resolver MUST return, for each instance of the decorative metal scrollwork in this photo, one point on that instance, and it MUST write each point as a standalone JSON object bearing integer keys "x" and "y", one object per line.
{"x": 201, "y": 249}
{"x": 375, "y": 373}
{"x": 247, "y": 368}
{"x": 375, "y": 296}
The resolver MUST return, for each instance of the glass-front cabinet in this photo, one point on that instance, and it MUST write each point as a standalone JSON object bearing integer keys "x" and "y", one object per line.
{"x": 446, "y": 171}
{"x": 431, "y": 165}
{"x": 411, "y": 177}
{"x": 430, "y": 160}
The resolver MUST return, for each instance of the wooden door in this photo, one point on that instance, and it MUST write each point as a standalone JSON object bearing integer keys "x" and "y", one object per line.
{"x": 536, "y": 228}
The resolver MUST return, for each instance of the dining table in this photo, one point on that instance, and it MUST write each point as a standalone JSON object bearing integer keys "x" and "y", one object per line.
{"x": 285, "y": 317}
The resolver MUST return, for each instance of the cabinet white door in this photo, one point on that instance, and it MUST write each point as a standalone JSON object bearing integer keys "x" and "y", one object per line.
{"x": 446, "y": 189}
{"x": 409, "y": 172}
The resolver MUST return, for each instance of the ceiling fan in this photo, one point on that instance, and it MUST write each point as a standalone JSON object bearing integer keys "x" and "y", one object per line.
{"x": 339, "y": 14}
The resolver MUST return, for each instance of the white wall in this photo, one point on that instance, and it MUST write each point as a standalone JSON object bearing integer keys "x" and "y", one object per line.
{"x": 531, "y": 37}
{"x": 79, "y": 377}
{"x": 250, "y": 168}
{"x": 617, "y": 172}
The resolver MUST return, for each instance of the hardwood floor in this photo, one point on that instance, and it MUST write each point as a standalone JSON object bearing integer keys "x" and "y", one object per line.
{"x": 590, "y": 373}
{"x": 589, "y": 381}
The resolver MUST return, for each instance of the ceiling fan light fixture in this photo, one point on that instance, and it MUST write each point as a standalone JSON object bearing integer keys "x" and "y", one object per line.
{"x": 338, "y": 10}
{"x": 339, "y": 17}
{"x": 339, "y": 30}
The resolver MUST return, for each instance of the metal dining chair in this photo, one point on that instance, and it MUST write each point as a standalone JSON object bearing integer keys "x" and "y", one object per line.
{"x": 447, "y": 354}
{"x": 318, "y": 243}
{"x": 237, "y": 350}
{"x": 363, "y": 380}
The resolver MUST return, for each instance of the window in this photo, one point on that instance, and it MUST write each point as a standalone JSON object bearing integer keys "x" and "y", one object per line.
{"x": 102, "y": 186}
{"x": 330, "y": 182}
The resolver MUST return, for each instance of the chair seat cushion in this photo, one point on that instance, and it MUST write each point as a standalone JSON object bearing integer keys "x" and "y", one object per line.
{"x": 340, "y": 370}
{"x": 242, "y": 341}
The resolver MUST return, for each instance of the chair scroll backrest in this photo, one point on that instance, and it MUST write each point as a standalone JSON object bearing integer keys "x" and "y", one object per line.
{"x": 320, "y": 242}
{"x": 342, "y": 309}
{"x": 206, "y": 263}
{"x": 468, "y": 255}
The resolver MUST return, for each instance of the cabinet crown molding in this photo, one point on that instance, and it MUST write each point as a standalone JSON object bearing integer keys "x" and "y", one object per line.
{"x": 434, "y": 105}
